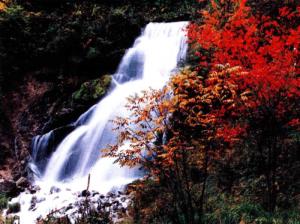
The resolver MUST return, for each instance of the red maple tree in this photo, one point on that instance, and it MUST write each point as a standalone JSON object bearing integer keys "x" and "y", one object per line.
{"x": 267, "y": 50}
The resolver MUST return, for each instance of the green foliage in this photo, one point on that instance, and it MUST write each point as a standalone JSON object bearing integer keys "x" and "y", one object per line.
{"x": 152, "y": 203}
{"x": 64, "y": 41}
{"x": 92, "y": 90}
{"x": 14, "y": 15}
{"x": 226, "y": 210}
{"x": 14, "y": 207}
{"x": 67, "y": 37}
{"x": 14, "y": 41}
{"x": 3, "y": 201}
{"x": 170, "y": 9}
{"x": 93, "y": 53}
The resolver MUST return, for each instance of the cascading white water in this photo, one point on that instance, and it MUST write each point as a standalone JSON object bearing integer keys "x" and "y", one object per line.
{"x": 149, "y": 63}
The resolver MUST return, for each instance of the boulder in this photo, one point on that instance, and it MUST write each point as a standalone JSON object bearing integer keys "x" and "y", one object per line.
{"x": 14, "y": 208}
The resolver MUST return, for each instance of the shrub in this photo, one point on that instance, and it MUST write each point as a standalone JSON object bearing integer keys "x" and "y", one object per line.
{"x": 14, "y": 207}
{"x": 3, "y": 201}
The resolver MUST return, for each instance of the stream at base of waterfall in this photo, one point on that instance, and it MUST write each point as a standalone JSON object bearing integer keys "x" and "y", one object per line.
{"x": 61, "y": 179}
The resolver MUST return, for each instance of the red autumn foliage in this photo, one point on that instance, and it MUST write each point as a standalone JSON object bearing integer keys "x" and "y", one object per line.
{"x": 266, "y": 48}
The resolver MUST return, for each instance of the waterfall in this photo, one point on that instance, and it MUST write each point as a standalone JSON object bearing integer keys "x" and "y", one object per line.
{"x": 149, "y": 63}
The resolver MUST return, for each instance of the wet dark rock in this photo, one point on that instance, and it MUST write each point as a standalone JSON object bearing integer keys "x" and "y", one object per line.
{"x": 116, "y": 203}
{"x": 106, "y": 204}
{"x": 111, "y": 195}
{"x": 102, "y": 196}
{"x": 85, "y": 193}
{"x": 69, "y": 207}
{"x": 14, "y": 208}
{"x": 34, "y": 189}
{"x": 94, "y": 193}
{"x": 33, "y": 203}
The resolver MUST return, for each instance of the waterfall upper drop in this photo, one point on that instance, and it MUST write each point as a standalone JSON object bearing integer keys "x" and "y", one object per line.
{"x": 149, "y": 63}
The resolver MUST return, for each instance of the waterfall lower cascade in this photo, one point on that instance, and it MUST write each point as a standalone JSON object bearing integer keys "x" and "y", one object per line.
{"x": 149, "y": 63}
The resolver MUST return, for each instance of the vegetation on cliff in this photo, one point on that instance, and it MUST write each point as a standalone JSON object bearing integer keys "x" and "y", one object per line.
{"x": 92, "y": 91}
{"x": 68, "y": 37}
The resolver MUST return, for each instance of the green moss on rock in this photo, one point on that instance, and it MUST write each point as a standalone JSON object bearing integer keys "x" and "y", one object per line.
{"x": 92, "y": 90}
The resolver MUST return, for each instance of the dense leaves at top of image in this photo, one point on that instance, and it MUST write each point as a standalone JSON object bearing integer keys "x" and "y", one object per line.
{"x": 221, "y": 142}
{"x": 54, "y": 39}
